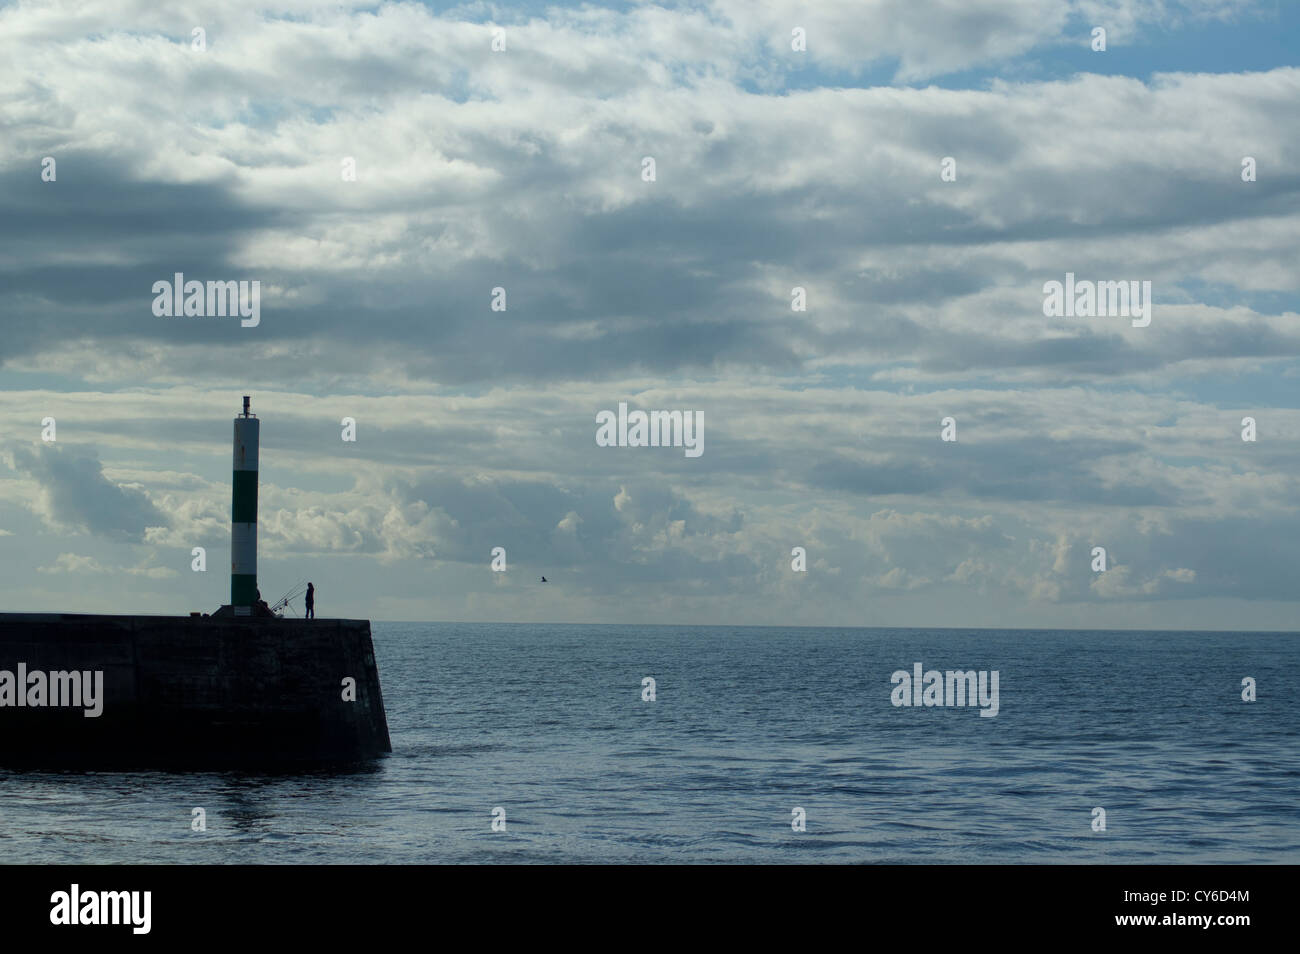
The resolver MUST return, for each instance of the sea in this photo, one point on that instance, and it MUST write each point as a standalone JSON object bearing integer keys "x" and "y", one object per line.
{"x": 546, "y": 744}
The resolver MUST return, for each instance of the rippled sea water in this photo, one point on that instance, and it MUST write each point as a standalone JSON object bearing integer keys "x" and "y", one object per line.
{"x": 547, "y": 722}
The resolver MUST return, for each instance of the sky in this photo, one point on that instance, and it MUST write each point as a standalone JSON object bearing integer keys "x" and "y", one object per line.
{"x": 381, "y": 170}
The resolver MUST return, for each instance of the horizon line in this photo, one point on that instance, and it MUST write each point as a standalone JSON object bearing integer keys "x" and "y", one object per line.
{"x": 989, "y": 629}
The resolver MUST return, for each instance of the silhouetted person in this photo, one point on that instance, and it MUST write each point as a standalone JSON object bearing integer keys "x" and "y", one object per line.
{"x": 544, "y": 579}
{"x": 310, "y": 600}
{"x": 259, "y": 607}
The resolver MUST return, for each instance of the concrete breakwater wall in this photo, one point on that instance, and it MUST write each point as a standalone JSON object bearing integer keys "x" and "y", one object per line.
{"x": 187, "y": 691}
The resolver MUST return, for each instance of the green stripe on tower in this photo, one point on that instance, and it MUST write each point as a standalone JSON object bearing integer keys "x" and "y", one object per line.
{"x": 243, "y": 589}
{"x": 243, "y": 499}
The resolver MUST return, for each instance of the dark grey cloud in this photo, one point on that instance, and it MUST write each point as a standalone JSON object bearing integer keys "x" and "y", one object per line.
{"x": 77, "y": 494}
{"x": 1029, "y": 469}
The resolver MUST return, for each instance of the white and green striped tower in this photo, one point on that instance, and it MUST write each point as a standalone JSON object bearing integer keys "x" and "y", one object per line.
{"x": 243, "y": 515}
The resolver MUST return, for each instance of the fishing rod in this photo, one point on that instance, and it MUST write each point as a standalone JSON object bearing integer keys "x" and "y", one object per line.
{"x": 294, "y": 592}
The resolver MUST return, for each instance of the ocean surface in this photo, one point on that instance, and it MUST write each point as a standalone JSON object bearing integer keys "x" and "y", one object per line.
{"x": 548, "y": 723}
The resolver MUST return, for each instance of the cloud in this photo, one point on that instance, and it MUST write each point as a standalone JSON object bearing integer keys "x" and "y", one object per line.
{"x": 73, "y": 492}
{"x": 72, "y": 563}
{"x": 75, "y": 563}
{"x": 462, "y": 190}
{"x": 775, "y": 169}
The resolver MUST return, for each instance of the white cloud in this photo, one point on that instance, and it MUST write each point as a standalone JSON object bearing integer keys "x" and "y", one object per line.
{"x": 73, "y": 563}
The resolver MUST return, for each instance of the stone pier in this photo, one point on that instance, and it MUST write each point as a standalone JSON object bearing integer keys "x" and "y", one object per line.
{"x": 192, "y": 691}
